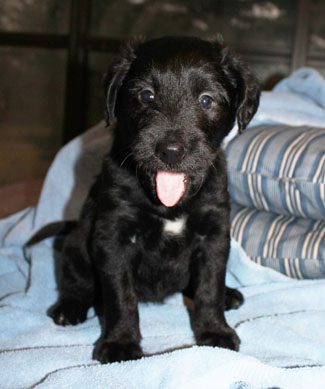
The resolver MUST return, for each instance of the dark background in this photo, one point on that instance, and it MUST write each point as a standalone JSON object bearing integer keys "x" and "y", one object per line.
{"x": 53, "y": 54}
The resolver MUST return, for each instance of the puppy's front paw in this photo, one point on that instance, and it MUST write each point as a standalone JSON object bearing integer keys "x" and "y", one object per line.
{"x": 106, "y": 351}
{"x": 224, "y": 337}
{"x": 68, "y": 312}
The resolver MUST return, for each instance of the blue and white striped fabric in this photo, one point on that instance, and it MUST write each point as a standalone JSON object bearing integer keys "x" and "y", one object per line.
{"x": 291, "y": 245}
{"x": 279, "y": 169}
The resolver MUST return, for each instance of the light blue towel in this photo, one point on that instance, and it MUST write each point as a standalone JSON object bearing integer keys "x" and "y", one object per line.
{"x": 281, "y": 324}
{"x": 297, "y": 100}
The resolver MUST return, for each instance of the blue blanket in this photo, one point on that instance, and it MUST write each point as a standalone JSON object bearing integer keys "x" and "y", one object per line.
{"x": 281, "y": 324}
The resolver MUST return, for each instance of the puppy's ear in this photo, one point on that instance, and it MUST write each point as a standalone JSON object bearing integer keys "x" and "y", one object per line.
{"x": 115, "y": 76}
{"x": 247, "y": 87}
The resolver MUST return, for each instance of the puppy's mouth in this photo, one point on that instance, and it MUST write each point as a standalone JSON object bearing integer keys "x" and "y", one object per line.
{"x": 170, "y": 186}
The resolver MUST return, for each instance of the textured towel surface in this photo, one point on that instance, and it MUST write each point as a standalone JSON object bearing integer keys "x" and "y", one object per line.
{"x": 297, "y": 100}
{"x": 281, "y": 324}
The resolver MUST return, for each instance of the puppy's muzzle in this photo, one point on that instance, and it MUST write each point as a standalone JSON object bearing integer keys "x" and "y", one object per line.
{"x": 170, "y": 153}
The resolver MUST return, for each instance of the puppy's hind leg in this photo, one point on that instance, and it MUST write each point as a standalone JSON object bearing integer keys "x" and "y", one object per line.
{"x": 76, "y": 281}
{"x": 233, "y": 299}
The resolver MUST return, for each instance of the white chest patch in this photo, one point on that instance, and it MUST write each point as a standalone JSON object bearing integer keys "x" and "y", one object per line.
{"x": 174, "y": 227}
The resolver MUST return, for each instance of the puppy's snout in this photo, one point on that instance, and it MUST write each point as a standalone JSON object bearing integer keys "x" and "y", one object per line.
{"x": 170, "y": 153}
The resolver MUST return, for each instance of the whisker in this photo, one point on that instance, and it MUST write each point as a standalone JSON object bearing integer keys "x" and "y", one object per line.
{"x": 199, "y": 187}
{"x": 125, "y": 159}
{"x": 212, "y": 164}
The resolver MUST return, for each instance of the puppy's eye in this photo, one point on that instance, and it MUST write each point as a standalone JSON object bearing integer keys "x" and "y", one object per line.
{"x": 206, "y": 101}
{"x": 147, "y": 96}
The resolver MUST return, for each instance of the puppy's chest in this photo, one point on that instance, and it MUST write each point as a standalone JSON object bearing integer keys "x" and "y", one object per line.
{"x": 161, "y": 261}
{"x": 156, "y": 232}
{"x": 174, "y": 228}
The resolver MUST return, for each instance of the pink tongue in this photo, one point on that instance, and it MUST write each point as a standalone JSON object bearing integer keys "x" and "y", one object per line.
{"x": 170, "y": 187}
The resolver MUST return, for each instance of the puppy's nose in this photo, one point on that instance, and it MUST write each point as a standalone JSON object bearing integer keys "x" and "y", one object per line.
{"x": 170, "y": 153}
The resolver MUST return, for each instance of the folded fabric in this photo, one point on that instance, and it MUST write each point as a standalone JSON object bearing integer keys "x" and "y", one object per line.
{"x": 276, "y": 173}
{"x": 279, "y": 168}
{"x": 307, "y": 82}
{"x": 297, "y": 100}
{"x": 291, "y": 245}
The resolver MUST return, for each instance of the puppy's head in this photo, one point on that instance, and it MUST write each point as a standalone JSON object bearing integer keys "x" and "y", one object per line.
{"x": 175, "y": 99}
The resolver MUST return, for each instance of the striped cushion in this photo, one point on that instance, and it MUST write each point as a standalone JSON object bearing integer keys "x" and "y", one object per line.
{"x": 279, "y": 169}
{"x": 294, "y": 246}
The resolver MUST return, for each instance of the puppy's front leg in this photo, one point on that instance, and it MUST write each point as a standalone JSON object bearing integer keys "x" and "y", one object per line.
{"x": 210, "y": 326}
{"x": 121, "y": 334}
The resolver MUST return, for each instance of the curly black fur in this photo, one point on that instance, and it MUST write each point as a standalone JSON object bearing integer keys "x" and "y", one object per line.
{"x": 120, "y": 243}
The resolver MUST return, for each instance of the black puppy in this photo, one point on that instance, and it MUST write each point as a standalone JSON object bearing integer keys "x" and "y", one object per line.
{"x": 156, "y": 221}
